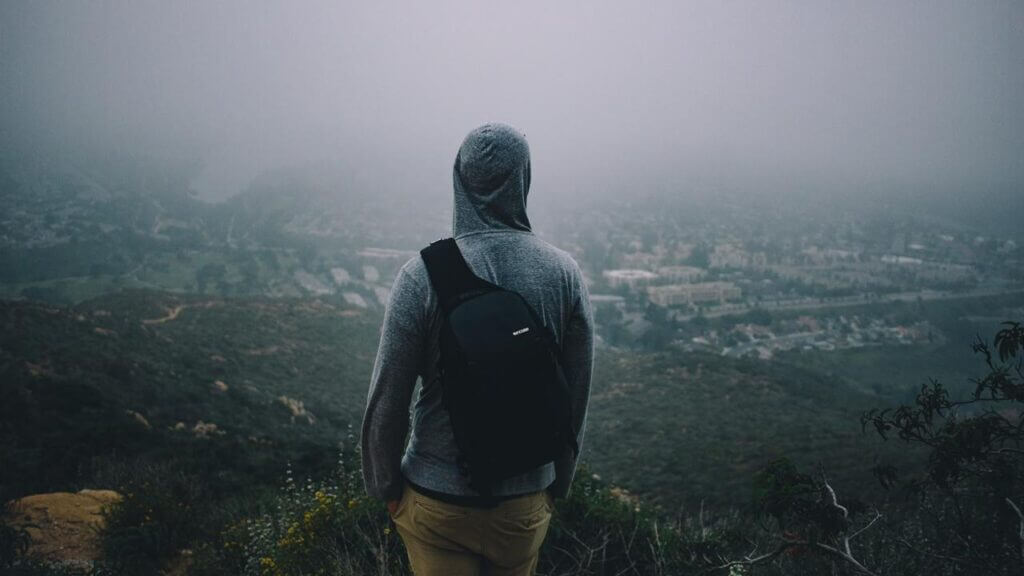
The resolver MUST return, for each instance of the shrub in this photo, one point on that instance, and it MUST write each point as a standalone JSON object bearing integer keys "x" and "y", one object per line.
{"x": 155, "y": 520}
{"x": 331, "y": 528}
{"x": 961, "y": 517}
{"x": 13, "y": 541}
{"x": 603, "y": 529}
{"x": 965, "y": 515}
{"x": 327, "y": 528}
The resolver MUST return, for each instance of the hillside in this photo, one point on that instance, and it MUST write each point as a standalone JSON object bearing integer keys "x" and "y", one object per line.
{"x": 196, "y": 406}
{"x": 232, "y": 389}
{"x": 682, "y": 429}
{"x": 251, "y": 383}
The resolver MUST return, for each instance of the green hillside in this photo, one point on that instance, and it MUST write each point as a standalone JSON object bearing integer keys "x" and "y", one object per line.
{"x": 230, "y": 388}
{"x": 686, "y": 428}
{"x": 197, "y": 403}
{"x": 144, "y": 374}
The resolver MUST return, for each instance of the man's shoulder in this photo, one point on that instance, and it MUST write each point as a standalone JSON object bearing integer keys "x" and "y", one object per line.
{"x": 562, "y": 259}
{"x": 551, "y": 253}
{"x": 412, "y": 276}
{"x": 414, "y": 267}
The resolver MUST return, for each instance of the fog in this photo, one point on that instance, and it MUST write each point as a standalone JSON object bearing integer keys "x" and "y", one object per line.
{"x": 615, "y": 97}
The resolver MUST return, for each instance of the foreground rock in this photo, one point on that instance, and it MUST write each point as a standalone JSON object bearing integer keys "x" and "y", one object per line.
{"x": 64, "y": 526}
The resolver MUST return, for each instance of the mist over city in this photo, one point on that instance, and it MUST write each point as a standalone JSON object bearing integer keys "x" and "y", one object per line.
{"x": 761, "y": 98}
{"x": 798, "y": 224}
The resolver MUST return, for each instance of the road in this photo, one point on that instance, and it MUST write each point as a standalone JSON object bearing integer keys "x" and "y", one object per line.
{"x": 814, "y": 304}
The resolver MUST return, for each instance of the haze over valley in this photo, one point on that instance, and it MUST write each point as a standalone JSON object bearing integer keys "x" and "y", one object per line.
{"x": 787, "y": 216}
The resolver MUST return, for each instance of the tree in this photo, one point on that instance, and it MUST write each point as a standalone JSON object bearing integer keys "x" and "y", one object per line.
{"x": 963, "y": 516}
{"x": 972, "y": 495}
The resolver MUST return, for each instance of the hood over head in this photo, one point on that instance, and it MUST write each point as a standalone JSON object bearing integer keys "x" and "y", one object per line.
{"x": 491, "y": 178}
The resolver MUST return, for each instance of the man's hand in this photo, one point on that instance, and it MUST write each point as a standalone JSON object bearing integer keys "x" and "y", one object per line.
{"x": 392, "y": 507}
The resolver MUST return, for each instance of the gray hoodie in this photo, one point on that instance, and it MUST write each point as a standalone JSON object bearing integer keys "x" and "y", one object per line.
{"x": 491, "y": 179}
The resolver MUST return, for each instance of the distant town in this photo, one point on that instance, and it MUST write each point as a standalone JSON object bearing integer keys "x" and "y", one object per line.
{"x": 724, "y": 274}
{"x": 657, "y": 280}
{"x": 801, "y": 279}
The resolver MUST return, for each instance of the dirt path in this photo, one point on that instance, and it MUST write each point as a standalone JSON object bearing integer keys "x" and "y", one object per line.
{"x": 171, "y": 315}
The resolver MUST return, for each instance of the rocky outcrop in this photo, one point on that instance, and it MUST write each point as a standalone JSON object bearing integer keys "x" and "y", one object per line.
{"x": 64, "y": 527}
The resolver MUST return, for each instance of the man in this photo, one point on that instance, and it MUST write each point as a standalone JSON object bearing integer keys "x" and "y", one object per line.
{"x": 447, "y": 527}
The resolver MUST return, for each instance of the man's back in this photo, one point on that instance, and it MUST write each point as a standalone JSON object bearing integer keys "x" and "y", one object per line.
{"x": 550, "y": 282}
{"x": 491, "y": 179}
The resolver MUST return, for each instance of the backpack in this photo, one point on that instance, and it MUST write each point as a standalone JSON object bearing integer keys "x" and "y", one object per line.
{"x": 502, "y": 383}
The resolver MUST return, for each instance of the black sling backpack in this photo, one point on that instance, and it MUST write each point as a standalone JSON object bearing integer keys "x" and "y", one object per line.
{"x": 501, "y": 380}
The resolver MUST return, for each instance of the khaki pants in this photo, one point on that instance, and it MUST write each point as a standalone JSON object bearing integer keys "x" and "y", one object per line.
{"x": 445, "y": 539}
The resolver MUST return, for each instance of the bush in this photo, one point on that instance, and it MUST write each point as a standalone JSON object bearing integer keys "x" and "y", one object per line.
{"x": 328, "y": 528}
{"x": 331, "y": 528}
{"x": 966, "y": 515}
{"x": 604, "y": 530}
{"x": 155, "y": 520}
{"x": 963, "y": 517}
{"x": 13, "y": 541}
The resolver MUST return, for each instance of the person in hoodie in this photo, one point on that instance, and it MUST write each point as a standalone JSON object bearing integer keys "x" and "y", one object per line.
{"x": 446, "y": 526}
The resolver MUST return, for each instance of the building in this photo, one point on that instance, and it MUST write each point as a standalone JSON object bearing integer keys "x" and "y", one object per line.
{"x": 683, "y": 294}
{"x": 731, "y": 256}
{"x": 680, "y": 274}
{"x": 890, "y": 259}
{"x": 373, "y": 253}
{"x": 639, "y": 260}
{"x": 608, "y": 301}
{"x": 629, "y": 277}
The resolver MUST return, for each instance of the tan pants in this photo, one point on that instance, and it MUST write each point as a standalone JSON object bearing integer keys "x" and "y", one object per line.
{"x": 445, "y": 539}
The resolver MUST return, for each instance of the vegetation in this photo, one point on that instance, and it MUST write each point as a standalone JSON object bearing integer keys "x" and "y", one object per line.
{"x": 191, "y": 424}
{"x": 651, "y": 429}
{"x": 96, "y": 391}
{"x": 329, "y": 527}
{"x": 13, "y": 541}
{"x": 324, "y": 527}
{"x": 960, "y": 516}
{"x": 971, "y": 498}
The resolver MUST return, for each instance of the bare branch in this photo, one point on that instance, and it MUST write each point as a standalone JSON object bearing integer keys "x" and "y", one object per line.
{"x": 835, "y": 503}
{"x": 787, "y": 544}
{"x": 1021, "y": 533}
{"x": 845, "y": 556}
{"x": 878, "y": 515}
{"x": 946, "y": 557}
{"x": 766, "y": 557}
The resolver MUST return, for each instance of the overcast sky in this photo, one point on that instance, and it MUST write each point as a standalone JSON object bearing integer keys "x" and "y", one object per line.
{"x": 614, "y": 97}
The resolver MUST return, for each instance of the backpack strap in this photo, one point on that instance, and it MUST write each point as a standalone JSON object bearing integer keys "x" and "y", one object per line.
{"x": 452, "y": 278}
